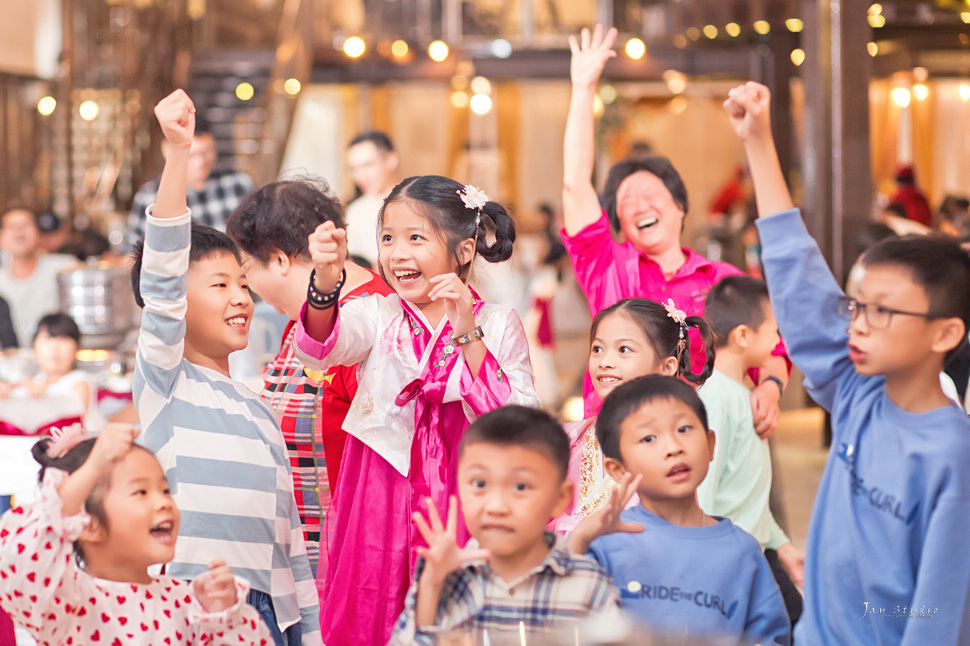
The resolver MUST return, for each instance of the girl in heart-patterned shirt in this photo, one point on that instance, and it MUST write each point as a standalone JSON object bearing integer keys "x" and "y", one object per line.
{"x": 107, "y": 501}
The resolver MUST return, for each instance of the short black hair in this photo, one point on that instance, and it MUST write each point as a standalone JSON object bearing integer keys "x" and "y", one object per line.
{"x": 735, "y": 301}
{"x": 376, "y": 137}
{"x": 280, "y": 216}
{"x": 939, "y": 265}
{"x": 655, "y": 165}
{"x": 520, "y": 426}
{"x": 896, "y": 208}
{"x": 58, "y": 324}
{"x": 628, "y": 397}
{"x": 206, "y": 243}
{"x": 13, "y": 209}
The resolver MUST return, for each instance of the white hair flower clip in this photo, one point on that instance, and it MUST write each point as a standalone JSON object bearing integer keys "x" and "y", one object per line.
{"x": 473, "y": 198}
{"x": 678, "y": 315}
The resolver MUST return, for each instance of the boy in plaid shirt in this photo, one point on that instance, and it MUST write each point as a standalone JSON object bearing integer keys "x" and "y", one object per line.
{"x": 512, "y": 575}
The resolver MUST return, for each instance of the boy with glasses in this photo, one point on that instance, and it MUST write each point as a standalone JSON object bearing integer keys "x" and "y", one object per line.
{"x": 886, "y": 559}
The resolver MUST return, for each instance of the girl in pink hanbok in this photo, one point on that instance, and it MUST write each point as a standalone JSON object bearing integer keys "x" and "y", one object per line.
{"x": 432, "y": 357}
{"x": 631, "y": 338}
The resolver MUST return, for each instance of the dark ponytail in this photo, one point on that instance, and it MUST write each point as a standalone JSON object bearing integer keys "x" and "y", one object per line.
{"x": 70, "y": 462}
{"x": 683, "y": 361}
{"x": 497, "y": 224}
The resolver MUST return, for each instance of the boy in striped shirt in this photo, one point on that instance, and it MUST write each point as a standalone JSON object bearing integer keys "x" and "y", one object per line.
{"x": 512, "y": 577}
{"x": 220, "y": 446}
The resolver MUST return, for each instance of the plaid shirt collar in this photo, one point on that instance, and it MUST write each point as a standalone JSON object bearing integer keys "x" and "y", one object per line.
{"x": 559, "y": 559}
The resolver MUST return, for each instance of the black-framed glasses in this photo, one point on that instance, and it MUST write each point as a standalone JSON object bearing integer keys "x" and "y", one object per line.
{"x": 877, "y": 316}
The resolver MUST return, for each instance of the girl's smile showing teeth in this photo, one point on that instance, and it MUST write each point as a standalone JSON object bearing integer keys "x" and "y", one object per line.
{"x": 163, "y": 531}
{"x": 406, "y": 275}
{"x": 236, "y": 321}
{"x": 646, "y": 223}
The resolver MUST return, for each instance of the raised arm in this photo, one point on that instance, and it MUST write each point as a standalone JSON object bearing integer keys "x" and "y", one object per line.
{"x": 328, "y": 250}
{"x": 580, "y": 203}
{"x": 749, "y": 109}
{"x": 176, "y": 116}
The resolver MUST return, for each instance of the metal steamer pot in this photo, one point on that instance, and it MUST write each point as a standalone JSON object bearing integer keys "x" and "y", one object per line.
{"x": 97, "y": 295}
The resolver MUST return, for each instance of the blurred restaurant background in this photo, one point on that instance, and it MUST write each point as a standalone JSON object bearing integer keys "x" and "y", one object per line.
{"x": 477, "y": 90}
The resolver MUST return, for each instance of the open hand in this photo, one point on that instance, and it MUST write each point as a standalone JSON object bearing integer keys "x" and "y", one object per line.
{"x": 328, "y": 252}
{"x": 112, "y": 446}
{"x": 216, "y": 589}
{"x": 607, "y": 519}
{"x": 457, "y": 299}
{"x": 590, "y": 54}
{"x": 442, "y": 555}
{"x": 765, "y": 410}
{"x": 749, "y": 109}
{"x": 176, "y": 116}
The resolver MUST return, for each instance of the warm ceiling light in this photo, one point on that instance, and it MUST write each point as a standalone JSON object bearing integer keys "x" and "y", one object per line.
{"x": 480, "y": 85}
{"x": 873, "y": 48}
{"x": 598, "y": 106}
{"x": 459, "y": 99}
{"x": 480, "y": 104}
{"x": 676, "y": 81}
{"x": 877, "y": 20}
{"x": 89, "y": 110}
{"x": 245, "y": 91}
{"x": 608, "y": 94}
{"x": 875, "y": 9}
{"x": 798, "y": 56}
{"x": 762, "y": 27}
{"x": 901, "y": 96}
{"x": 964, "y": 91}
{"x": 794, "y": 25}
{"x": 635, "y": 48}
{"x": 399, "y": 48}
{"x": 693, "y": 33}
{"x": 292, "y": 87}
{"x": 438, "y": 51}
{"x": 921, "y": 91}
{"x": 710, "y": 31}
{"x": 920, "y": 73}
{"x": 733, "y": 29}
{"x": 965, "y": 16}
{"x": 46, "y": 105}
{"x": 354, "y": 47}
{"x": 677, "y": 105}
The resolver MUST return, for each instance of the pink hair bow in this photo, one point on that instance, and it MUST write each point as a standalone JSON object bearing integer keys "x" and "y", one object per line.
{"x": 65, "y": 439}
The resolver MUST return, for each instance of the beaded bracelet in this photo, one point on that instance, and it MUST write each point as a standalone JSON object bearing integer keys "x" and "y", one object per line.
{"x": 319, "y": 301}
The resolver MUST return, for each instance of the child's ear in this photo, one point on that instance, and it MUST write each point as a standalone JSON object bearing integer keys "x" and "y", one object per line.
{"x": 710, "y": 443}
{"x": 466, "y": 250}
{"x": 669, "y": 367}
{"x": 949, "y": 333}
{"x": 564, "y": 498}
{"x": 95, "y": 532}
{"x": 614, "y": 468}
{"x": 740, "y": 336}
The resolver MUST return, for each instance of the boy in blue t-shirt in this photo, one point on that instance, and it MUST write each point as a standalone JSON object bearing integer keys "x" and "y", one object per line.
{"x": 886, "y": 559}
{"x": 687, "y": 574}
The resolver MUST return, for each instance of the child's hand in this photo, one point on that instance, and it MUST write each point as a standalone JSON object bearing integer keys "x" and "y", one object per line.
{"x": 749, "y": 109}
{"x": 458, "y": 301}
{"x": 607, "y": 520}
{"x": 794, "y": 561}
{"x": 112, "y": 446}
{"x": 328, "y": 251}
{"x": 176, "y": 116}
{"x": 442, "y": 555}
{"x": 216, "y": 589}
{"x": 590, "y": 55}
